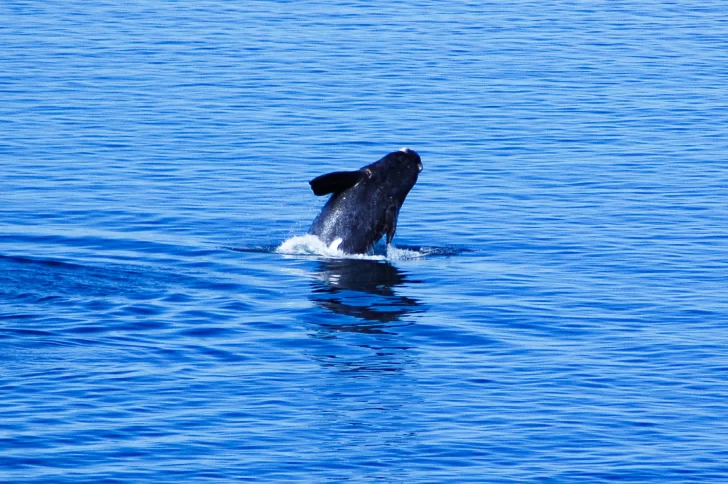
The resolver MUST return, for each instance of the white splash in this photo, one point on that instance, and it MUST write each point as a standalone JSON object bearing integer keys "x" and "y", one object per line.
{"x": 310, "y": 245}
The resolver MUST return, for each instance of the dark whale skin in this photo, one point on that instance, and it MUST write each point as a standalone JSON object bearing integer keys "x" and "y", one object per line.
{"x": 365, "y": 204}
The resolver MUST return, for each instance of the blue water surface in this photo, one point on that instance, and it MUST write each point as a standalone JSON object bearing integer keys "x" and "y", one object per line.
{"x": 559, "y": 313}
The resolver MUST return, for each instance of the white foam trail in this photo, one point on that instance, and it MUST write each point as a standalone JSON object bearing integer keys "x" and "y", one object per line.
{"x": 393, "y": 253}
{"x": 311, "y": 245}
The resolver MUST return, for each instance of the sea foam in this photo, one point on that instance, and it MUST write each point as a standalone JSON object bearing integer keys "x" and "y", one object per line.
{"x": 310, "y": 245}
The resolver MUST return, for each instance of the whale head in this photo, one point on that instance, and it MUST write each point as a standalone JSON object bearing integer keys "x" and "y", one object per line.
{"x": 394, "y": 174}
{"x": 365, "y": 203}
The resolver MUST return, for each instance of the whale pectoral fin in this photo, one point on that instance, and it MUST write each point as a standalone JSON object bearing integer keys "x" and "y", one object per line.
{"x": 390, "y": 222}
{"x": 335, "y": 182}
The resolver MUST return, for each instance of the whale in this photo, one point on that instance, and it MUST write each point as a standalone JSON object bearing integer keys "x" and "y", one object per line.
{"x": 365, "y": 203}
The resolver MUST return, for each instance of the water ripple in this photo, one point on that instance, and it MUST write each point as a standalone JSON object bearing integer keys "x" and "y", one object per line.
{"x": 554, "y": 310}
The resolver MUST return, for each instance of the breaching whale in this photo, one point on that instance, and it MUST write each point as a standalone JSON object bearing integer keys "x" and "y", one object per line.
{"x": 364, "y": 204}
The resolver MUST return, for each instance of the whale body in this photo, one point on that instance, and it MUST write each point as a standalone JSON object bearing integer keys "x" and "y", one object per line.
{"x": 365, "y": 203}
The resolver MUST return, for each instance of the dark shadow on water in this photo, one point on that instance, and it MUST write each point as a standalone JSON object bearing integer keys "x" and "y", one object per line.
{"x": 361, "y": 316}
{"x": 362, "y": 289}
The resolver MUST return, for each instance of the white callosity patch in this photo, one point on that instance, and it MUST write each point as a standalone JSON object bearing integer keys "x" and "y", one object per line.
{"x": 407, "y": 150}
{"x": 334, "y": 246}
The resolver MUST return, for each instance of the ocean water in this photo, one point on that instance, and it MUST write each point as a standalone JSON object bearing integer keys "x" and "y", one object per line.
{"x": 554, "y": 309}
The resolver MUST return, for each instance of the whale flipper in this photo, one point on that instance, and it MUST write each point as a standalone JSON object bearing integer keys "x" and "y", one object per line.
{"x": 390, "y": 222}
{"x": 335, "y": 182}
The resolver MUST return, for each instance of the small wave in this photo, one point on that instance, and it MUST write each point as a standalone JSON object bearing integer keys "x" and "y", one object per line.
{"x": 44, "y": 262}
{"x": 396, "y": 253}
